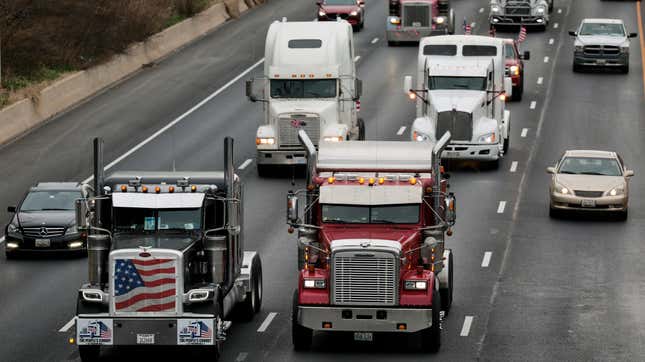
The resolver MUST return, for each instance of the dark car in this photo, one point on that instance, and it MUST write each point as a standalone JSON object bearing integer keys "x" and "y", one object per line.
{"x": 351, "y": 10}
{"x": 45, "y": 220}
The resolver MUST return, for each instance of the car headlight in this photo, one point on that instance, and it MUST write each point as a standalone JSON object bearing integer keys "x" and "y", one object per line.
{"x": 419, "y": 137}
{"x": 495, "y": 9}
{"x": 315, "y": 283}
{"x": 440, "y": 20}
{"x": 322, "y": 13}
{"x": 514, "y": 70}
{"x": 540, "y": 10}
{"x": 616, "y": 191}
{"x": 333, "y": 139}
{"x": 71, "y": 230}
{"x": 579, "y": 48}
{"x": 488, "y": 138}
{"x": 264, "y": 141}
{"x": 395, "y": 20}
{"x": 416, "y": 285}
{"x": 562, "y": 189}
{"x": 13, "y": 229}
{"x": 624, "y": 48}
{"x": 353, "y": 13}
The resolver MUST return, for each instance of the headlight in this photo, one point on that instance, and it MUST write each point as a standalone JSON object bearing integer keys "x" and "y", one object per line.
{"x": 562, "y": 189}
{"x": 616, "y": 191}
{"x": 488, "y": 138}
{"x": 315, "y": 284}
{"x": 13, "y": 229}
{"x": 264, "y": 141}
{"x": 579, "y": 48}
{"x": 540, "y": 10}
{"x": 321, "y": 13}
{"x": 495, "y": 9}
{"x": 395, "y": 20}
{"x": 353, "y": 13}
{"x": 419, "y": 137}
{"x": 624, "y": 48}
{"x": 440, "y": 20}
{"x": 515, "y": 70}
{"x": 416, "y": 285}
{"x": 333, "y": 139}
{"x": 72, "y": 230}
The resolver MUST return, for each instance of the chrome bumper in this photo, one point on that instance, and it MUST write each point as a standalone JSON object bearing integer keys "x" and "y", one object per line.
{"x": 478, "y": 152}
{"x": 526, "y": 20}
{"x": 282, "y": 157}
{"x": 619, "y": 60}
{"x": 605, "y": 203}
{"x": 363, "y": 319}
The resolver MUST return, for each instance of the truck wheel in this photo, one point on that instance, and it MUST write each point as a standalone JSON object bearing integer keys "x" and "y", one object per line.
{"x": 493, "y": 165}
{"x": 392, "y": 43}
{"x": 89, "y": 353}
{"x": 300, "y": 336}
{"x": 431, "y": 337}
{"x": 263, "y": 170}
{"x": 507, "y": 144}
{"x": 518, "y": 91}
{"x": 446, "y": 293}
{"x": 253, "y": 301}
{"x": 361, "y": 129}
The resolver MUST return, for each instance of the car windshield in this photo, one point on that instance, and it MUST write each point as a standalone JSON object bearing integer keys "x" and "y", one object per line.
{"x": 374, "y": 214}
{"x": 456, "y": 83}
{"x": 602, "y": 29}
{"x": 315, "y": 88}
{"x": 128, "y": 219}
{"x": 50, "y": 201}
{"x": 510, "y": 52}
{"x": 590, "y": 166}
{"x": 340, "y": 2}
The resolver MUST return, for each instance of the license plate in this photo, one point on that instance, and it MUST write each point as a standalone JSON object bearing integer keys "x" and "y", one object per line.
{"x": 43, "y": 243}
{"x": 588, "y": 203}
{"x": 300, "y": 161}
{"x": 416, "y": 24}
{"x": 364, "y": 336}
{"x": 451, "y": 153}
{"x": 601, "y": 61}
{"x": 145, "y": 339}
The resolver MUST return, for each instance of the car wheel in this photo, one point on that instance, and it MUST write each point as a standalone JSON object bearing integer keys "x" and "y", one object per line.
{"x": 625, "y": 68}
{"x": 577, "y": 68}
{"x": 9, "y": 255}
{"x": 553, "y": 212}
{"x": 623, "y": 215}
{"x": 300, "y": 336}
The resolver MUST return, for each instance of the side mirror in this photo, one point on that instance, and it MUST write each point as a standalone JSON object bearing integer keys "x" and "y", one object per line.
{"x": 550, "y": 170}
{"x": 633, "y": 35}
{"x": 81, "y": 214}
{"x": 361, "y": 3}
{"x": 451, "y": 209}
{"x": 526, "y": 55}
{"x": 446, "y": 176}
{"x": 508, "y": 87}
{"x": 249, "y": 91}
{"x": 319, "y": 3}
{"x": 629, "y": 173}
{"x": 358, "y": 89}
{"x": 11, "y": 209}
{"x": 407, "y": 84}
{"x": 292, "y": 208}
{"x": 573, "y": 33}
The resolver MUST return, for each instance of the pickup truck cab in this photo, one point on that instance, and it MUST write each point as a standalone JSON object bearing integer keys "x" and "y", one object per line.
{"x": 601, "y": 43}
{"x": 514, "y": 65}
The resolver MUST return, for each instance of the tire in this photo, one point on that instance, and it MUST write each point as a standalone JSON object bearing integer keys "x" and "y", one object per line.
{"x": 577, "y": 68}
{"x": 392, "y": 43}
{"x": 263, "y": 170}
{"x": 507, "y": 144}
{"x": 518, "y": 91}
{"x": 9, "y": 255}
{"x": 493, "y": 165}
{"x": 625, "y": 69}
{"x": 623, "y": 215}
{"x": 300, "y": 336}
{"x": 446, "y": 293}
{"x": 253, "y": 301}
{"x": 361, "y": 129}
{"x": 89, "y": 353}
{"x": 431, "y": 337}
{"x": 553, "y": 212}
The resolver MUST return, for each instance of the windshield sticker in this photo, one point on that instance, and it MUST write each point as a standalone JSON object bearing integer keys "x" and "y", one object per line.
{"x": 195, "y": 332}
{"x": 94, "y": 331}
{"x": 189, "y": 226}
{"x": 149, "y": 223}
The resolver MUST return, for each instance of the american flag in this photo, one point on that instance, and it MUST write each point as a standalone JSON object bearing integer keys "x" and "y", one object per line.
{"x": 144, "y": 285}
{"x": 358, "y": 106}
{"x": 468, "y": 29}
{"x": 522, "y": 36}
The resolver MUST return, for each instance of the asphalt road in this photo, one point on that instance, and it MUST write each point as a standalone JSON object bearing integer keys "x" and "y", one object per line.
{"x": 566, "y": 289}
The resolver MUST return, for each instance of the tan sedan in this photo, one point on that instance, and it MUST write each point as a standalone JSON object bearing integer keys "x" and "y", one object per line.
{"x": 586, "y": 180}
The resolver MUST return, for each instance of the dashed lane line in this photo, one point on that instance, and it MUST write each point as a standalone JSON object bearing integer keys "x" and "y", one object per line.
{"x": 401, "y": 130}
{"x": 481, "y": 10}
{"x": 514, "y": 166}
{"x": 357, "y": 58}
{"x": 67, "y": 325}
{"x": 241, "y": 357}
{"x": 546, "y": 59}
{"x": 501, "y": 207}
{"x": 2, "y": 240}
{"x": 486, "y": 260}
{"x": 374, "y": 41}
{"x": 245, "y": 164}
{"x": 551, "y": 41}
{"x": 540, "y": 80}
{"x": 525, "y": 131}
{"x": 555, "y": 26}
{"x": 267, "y": 321}
{"x": 533, "y": 105}
{"x": 465, "y": 329}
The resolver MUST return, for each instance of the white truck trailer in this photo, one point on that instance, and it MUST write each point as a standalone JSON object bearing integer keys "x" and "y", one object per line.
{"x": 309, "y": 83}
{"x": 461, "y": 87}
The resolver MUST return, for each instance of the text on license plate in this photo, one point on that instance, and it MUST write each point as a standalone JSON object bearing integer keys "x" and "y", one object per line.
{"x": 363, "y": 336}
{"x": 43, "y": 243}
{"x": 145, "y": 339}
{"x": 588, "y": 203}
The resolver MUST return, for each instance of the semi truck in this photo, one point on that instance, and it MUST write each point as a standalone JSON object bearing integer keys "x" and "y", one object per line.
{"x": 167, "y": 265}
{"x": 309, "y": 83}
{"x": 411, "y": 20}
{"x": 371, "y": 241}
{"x": 461, "y": 87}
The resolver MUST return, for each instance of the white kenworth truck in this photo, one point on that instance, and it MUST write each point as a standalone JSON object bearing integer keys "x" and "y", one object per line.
{"x": 166, "y": 259}
{"x": 461, "y": 87}
{"x": 309, "y": 83}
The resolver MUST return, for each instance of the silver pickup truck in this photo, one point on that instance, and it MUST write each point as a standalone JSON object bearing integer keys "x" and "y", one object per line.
{"x": 601, "y": 43}
{"x": 534, "y": 13}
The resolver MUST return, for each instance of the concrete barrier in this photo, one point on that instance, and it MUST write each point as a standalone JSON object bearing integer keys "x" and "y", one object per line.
{"x": 23, "y": 115}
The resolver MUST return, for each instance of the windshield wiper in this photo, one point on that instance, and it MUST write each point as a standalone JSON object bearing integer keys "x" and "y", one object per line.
{"x": 569, "y": 172}
{"x": 378, "y": 221}
{"x": 593, "y": 173}
{"x": 54, "y": 209}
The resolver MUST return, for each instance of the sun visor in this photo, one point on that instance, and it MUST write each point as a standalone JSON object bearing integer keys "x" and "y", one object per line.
{"x": 158, "y": 201}
{"x": 370, "y": 195}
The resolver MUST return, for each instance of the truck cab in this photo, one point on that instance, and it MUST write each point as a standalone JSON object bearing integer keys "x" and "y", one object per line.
{"x": 530, "y": 13}
{"x": 461, "y": 87}
{"x": 411, "y": 20}
{"x": 309, "y": 83}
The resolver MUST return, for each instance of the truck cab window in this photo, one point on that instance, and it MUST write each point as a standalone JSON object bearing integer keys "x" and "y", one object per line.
{"x": 457, "y": 83}
{"x": 314, "y": 88}
{"x": 152, "y": 221}
{"x": 374, "y": 214}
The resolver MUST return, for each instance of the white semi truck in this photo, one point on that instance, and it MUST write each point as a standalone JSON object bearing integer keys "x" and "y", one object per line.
{"x": 309, "y": 83}
{"x": 461, "y": 87}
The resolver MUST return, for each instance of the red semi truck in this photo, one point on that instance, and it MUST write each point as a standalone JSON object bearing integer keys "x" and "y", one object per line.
{"x": 371, "y": 241}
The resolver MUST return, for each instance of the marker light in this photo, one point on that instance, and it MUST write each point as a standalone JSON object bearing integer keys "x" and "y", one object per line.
{"x": 193, "y": 188}
{"x": 331, "y": 180}
{"x": 144, "y": 189}
{"x": 502, "y": 96}
{"x": 71, "y": 340}
{"x": 371, "y": 181}
{"x": 413, "y": 181}
{"x": 157, "y": 189}
{"x": 412, "y": 95}
{"x": 333, "y": 139}
{"x": 361, "y": 180}
{"x": 515, "y": 70}
{"x": 264, "y": 141}
{"x": 124, "y": 188}
{"x": 395, "y": 21}
{"x": 353, "y": 13}
{"x": 381, "y": 180}
{"x": 171, "y": 189}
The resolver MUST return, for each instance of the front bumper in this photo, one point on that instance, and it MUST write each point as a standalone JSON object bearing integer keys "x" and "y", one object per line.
{"x": 292, "y": 156}
{"x": 604, "y": 203}
{"x": 478, "y": 152}
{"x": 353, "y": 20}
{"x": 56, "y": 244}
{"x": 365, "y": 319}
{"x": 620, "y": 60}
{"x": 503, "y": 20}
{"x": 413, "y": 34}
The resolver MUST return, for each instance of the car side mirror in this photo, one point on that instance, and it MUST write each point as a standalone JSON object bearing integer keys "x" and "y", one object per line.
{"x": 361, "y": 3}
{"x": 292, "y": 208}
{"x": 629, "y": 173}
{"x": 633, "y": 35}
{"x": 526, "y": 55}
{"x": 407, "y": 84}
{"x": 573, "y": 33}
{"x": 11, "y": 209}
{"x": 319, "y": 3}
{"x": 550, "y": 170}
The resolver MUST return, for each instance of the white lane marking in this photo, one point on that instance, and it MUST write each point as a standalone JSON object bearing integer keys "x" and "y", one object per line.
{"x": 514, "y": 166}
{"x": 180, "y": 118}
{"x": 374, "y": 40}
{"x": 559, "y": 11}
{"x": 465, "y": 330}
{"x": 2, "y": 240}
{"x": 525, "y": 131}
{"x": 486, "y": 260}
{"x": 245, "y": 164}
{"x": 267, "y": 321}
{"x": 555, "y": 26}
{"x": 401, "y": 130}
{"x": 473, "y": 25}
{"x": 357, "y": 58}
{"x": 533, "y": 105}
{"x": 546, "y": 59}
{"x": 540, "y": 80}
{"x": 501, "y": 207}
{"x": 551, "y": 41}
{"x": 68, "y": 325}
{"x": 481, "y": 10}
{"x": 241, "y": 357}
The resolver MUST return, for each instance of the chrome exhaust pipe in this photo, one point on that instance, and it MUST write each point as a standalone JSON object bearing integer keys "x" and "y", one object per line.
{"x": 98, "y": 244}
{"x": 312, "y": 154}
{"x": 436, "y": 168}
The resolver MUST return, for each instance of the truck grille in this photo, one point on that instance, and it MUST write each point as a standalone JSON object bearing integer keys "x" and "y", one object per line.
{"x": 517, "y": 10}
{"x": 289, "y": 128}
{"x": 360, "y": 278}
{"x": 600, "y": 50}
{"x": 416, "y": 16}
{"x": 588, "y": 193}
{"x": 43, "y": 231}
{"x": 460, "y": 125}
{"x": 443, "y": 6}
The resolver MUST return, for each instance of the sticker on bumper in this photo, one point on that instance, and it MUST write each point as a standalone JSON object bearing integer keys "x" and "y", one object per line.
{"x": 94, "y": 331}
{"x": 195, "y": 332}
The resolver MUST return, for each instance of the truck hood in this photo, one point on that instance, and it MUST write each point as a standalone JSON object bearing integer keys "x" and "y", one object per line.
{"x": 590, "y": 183}
{"x": 465, "y": 101}
{"x": 339, "y": 9}
{"x": 172, "y": 240}
{"x": 46, "y": 218}
{"x": 601, "y": 40}
{"x": 403, "y": 236}
{"x": 327, "y": 110}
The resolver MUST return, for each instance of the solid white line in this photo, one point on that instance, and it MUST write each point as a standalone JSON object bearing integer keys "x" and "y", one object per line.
{"x": 267, "y": 321}
{"x": 2, "y": 240}
{"x": 533, "y": 105}
{"x": 514, "y": 166}
{"x": 465, "y": 330}
{"x": 68, "y": 325}
{"x": 180, "y": 118}
{"x": 486, "y": 260}
{"x": 546, "y": 59}
{"x": 540, "y": 80}
{"x": 555, "y": 26}
{"x": 525, "y": 131}
{"x": 481, "y": 10}
{"x": 357, "y": 58}
{"x": 241, "y": 357}
{"x": 501, "y": 207}
{"x": 374, "y": 40}
{"x": 401, "y": 130}
{"x": 245, "y": 164}
{"x": 551, "y": 41}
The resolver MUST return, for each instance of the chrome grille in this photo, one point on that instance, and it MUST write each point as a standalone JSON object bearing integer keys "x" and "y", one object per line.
{"x": 443, "y": 6}
{"x": 44, "y": 231}
{"x": 517, "y": 10}
{"x": 460, "y": 125}
{"x": 601, "y": 50}
{"x": 360, "y": 278}
{"x": 289, "y": 128}
{"x": 416, "y": 15}
{"x": 588, "y": 193}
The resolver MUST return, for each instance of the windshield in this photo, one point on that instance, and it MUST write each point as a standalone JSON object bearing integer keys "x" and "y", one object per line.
{"x": 510, "y": 52}
{"x": 590, "y": 166}
{"x": 50, "y": 200}
{"x": 150, "y": 220}
{"x": 456, "y": 83}
{"x": 340, "y": 2}
{"x": 379, "y": 214}
{"x": 602, "y": 29}
{"x": 314, "y": 88}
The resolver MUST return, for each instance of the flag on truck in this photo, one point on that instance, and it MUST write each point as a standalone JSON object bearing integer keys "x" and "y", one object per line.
{"x": 468, "y": 29}
{"x": 522, "y": 36}
{"x": 144, "y": 285}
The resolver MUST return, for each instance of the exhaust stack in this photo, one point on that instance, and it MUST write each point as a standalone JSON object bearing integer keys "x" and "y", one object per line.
{"x": 436, "y": 168}
{"x": 311, "y": 167}
{"x": 98, "y": 244}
